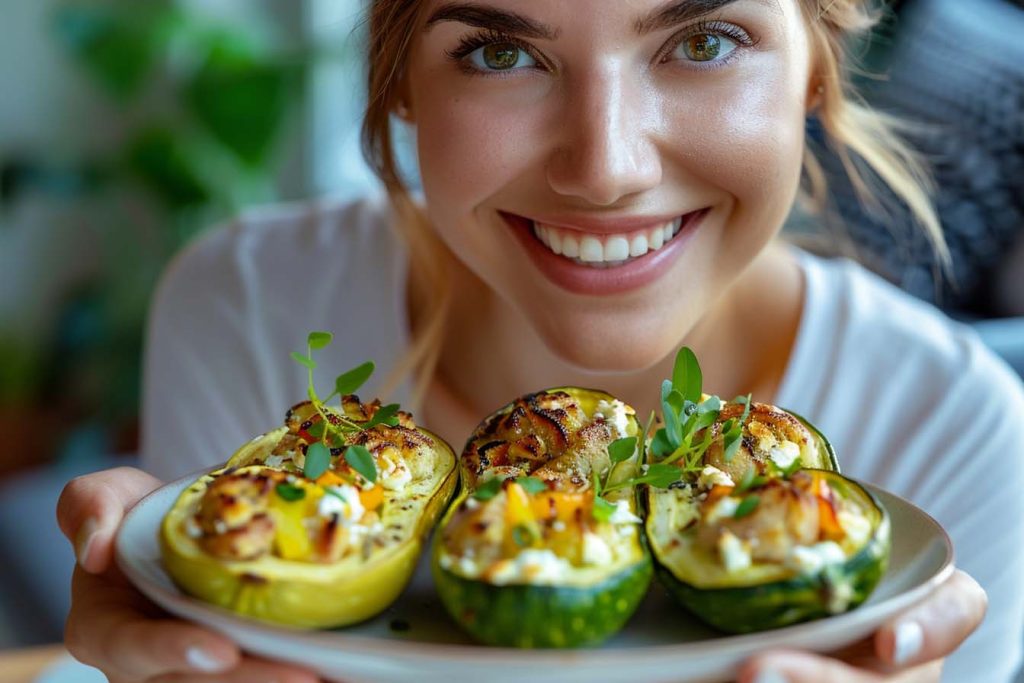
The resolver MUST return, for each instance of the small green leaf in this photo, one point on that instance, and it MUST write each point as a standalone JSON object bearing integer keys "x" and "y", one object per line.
{"x": 532, "y": 484}
{"x": 666, "y": 389}
{"x": 750, "y": 480}
{"x": 350, "y": 381}
{"x": 793, "y": 467}
{"x": 318, "y": 459}
{"x": 385, "y": 415}
{"x": 316, "y": 430}
{"x": 318, "y": 340}
{"x": 747, "y": 506}
{"x": 704, "y": 420}
{"x": 686, "y": 375}
{"x": 603, "y": 509}
{"x": 675, "y": 400}
{"x": 362, "y": 462}
{"x": 302, "y": 359}
{"x": 622, "y": 449}
{"x": 713, "y": 404}
{"x": 489, "y": 489}
{"x": 660, "y": 444}
{"x": 290, "y": 492}
{"x": 673, "y": 430}
{"x": 523, "y": 536}
{"x": 732, "y": 445}
{"x": 660, "y": 475}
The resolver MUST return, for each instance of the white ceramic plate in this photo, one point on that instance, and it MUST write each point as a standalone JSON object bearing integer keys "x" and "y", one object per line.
{"x": 415, "y": 640}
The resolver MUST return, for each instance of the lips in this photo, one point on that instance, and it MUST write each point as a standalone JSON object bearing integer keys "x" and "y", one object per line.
{"x": 606, "y": 259}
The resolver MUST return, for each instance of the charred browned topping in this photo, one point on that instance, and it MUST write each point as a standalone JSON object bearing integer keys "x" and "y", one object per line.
{"x": 232, "y": 500}
{"x": 543, "y": 435}
{"x": 250, "y": 540}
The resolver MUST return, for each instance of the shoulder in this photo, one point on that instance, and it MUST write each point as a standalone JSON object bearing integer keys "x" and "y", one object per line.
{"x": 881, "y": 331}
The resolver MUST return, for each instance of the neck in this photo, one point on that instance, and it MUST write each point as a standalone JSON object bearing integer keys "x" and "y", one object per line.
{"x": 491, "y": 353}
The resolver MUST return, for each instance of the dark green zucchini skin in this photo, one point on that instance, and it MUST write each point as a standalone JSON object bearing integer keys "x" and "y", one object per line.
{"x": 528, "y": 616}
{"x": 746, "y": 609}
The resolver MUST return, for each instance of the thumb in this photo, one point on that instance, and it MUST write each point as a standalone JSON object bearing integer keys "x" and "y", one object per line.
{"x": 91, "y": 508}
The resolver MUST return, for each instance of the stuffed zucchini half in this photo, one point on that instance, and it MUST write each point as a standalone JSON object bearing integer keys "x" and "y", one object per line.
{"x": 544, "y": 546}
{"x": 760, "y": 530}
{"x": 276, "y": 536}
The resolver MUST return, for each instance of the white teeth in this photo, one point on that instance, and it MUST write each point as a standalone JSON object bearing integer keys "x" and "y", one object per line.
{"x": 616, "y": 249}
{"x": 554, "y": 241}
{"x": 657, "y": 238}
{"x": 638, "y": 246}
{"x": 591, "y": 250}
{"x": 595, "y": 250}
{"x": 570, "y": 246}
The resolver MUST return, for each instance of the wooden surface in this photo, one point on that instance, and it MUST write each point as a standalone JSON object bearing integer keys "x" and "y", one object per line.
{"x": 23, "y": 665}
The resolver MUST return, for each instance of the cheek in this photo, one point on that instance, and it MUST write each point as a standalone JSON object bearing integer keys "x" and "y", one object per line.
{"x": 472, "y": 138}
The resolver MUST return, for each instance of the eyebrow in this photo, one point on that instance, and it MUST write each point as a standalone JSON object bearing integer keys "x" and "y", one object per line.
{"x": 505, "y": 21}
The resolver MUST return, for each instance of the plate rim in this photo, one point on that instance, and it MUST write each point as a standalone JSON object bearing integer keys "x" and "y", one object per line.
{"x": 225, "y": 621}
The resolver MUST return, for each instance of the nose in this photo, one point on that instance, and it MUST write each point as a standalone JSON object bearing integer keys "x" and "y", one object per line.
{"x": 605, "y": 152}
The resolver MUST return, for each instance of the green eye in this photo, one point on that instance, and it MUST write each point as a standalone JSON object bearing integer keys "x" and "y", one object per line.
{"x": 500, "y": 57}
{"x": 705, "y": 47}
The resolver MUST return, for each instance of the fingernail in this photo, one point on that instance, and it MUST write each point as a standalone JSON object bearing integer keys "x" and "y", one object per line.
{"x": 84, "y": 538}
{"x": 909, "y": 639}
{"x": 205, "y": 661}
{"x": 769, "y": 676}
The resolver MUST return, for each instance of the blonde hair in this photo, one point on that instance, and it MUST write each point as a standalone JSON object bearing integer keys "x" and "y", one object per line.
{"x": 864, "y": 140}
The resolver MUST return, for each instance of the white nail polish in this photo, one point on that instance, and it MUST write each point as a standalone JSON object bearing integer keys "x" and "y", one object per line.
{"x": 201, "y": 660}
{"x": 909, "y": 639}
{"x": 769, "y": 676}
{"x": 84, "y": 538}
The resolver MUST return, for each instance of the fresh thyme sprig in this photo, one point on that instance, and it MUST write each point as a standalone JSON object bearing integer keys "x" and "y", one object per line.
{"x": 334, "y": 427}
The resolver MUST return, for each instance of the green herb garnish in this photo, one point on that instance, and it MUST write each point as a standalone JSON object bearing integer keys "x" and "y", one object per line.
{"x": 333, "y": 428}
{"x": 290, "y": 492}
{"x": 489, "y": 489}
{"x": 362, "y": 462}
{"x": 532, "y": 484}
{"x": 523, "y": 535}
{"x": 747, "y": 506}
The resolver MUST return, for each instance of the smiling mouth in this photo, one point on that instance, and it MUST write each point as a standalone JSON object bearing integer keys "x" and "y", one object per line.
{"x": 608, "y": 250}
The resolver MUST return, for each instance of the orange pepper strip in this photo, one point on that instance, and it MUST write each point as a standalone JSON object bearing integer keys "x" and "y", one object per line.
{"x": 329, "y": 478}
{"x": 373, "y": 498}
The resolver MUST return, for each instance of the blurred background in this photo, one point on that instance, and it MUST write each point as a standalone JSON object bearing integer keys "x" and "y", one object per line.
{"x": 129, "y": 128}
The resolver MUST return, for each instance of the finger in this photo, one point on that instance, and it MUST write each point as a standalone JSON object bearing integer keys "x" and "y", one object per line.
{"x": 800, "y": 667}
{"x": 248, "y": 670}
{"x": 936, "y": 627}
{"x": 112, "y": 627}
{"x": 91, "y": 508}
{"x": 803, "y": 667}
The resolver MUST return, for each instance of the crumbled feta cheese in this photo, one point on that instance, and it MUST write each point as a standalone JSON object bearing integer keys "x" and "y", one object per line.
{"x": 856, "y": 526}
{"x": 192, "y": 528}
{"x": 275, "y": 461}
{"x": 712, "y": 476}
{"x": 725, "y": 507}
{"x": 558, "y": 526}
{"x": 535, "y": 566}
{"x": 472, "y": 503}
{"x": 622, "y": 514}
{"x": 595, "y": 550}
{"x": 346, "y": 503}
{"x": 784, "y": 454}
{"x": 735, "y": 554}
{"x": 614, "y": 414}
{"x": 395, "y": 474}
{"x": 812, "y": 559}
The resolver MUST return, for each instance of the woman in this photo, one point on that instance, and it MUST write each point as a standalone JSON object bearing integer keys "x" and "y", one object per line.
{"x": 601, "y": 183}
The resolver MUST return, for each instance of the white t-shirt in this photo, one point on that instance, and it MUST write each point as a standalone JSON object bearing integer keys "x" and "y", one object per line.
{"x": 911, "y": 401}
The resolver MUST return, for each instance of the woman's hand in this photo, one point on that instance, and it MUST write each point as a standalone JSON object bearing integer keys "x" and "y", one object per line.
{"x": 113, "y": 627}
{"x": 908, "y": 649}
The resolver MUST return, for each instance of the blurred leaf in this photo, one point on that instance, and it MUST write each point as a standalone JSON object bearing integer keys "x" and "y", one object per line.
{"x": 114, "y": 42}
{"x": 159, "y": 158}
{"x": 241, "y": 101}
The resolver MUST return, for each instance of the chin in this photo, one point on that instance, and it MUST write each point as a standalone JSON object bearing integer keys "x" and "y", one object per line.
{"x": 618, "y": 346}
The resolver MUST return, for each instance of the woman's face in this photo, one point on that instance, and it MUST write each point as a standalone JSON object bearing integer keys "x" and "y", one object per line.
{"x": 609, "y": 167}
